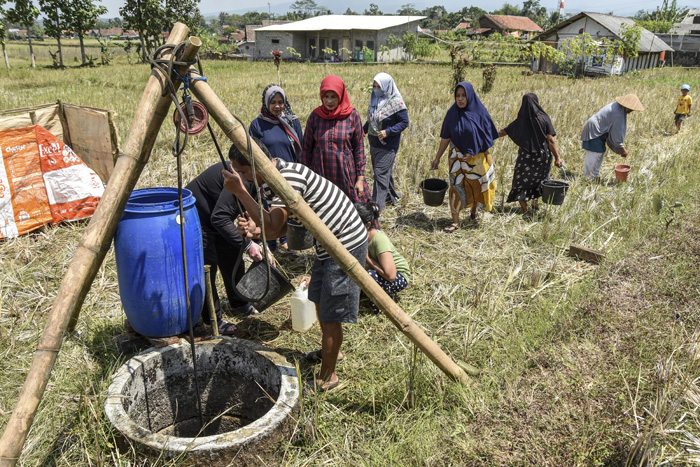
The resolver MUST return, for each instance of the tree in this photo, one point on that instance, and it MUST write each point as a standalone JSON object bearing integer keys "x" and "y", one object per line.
{"x": 145, "y": 17}
{"x": 55, "y": 22}
{"x": 533, "y": 10}
{"x": 304, "y": 8}
{"x": 82, "y": 16}
{"x": 408, "y": 9}
{"x": 349, "y": 12}
{"x": 183, "y": 11}
{"x": 24, "y": 13}
{"x": 508, "y": 9}
{"x": 662, "y": 19}
{"x": 373, "y": 10}
{"x": 3, "y": 34}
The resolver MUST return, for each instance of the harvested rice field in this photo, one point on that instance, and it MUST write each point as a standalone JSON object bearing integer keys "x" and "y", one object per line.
{"x": 576, "y": 364}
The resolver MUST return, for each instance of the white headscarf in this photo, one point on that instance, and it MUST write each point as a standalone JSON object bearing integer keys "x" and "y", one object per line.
{"x": 386, "y": 105}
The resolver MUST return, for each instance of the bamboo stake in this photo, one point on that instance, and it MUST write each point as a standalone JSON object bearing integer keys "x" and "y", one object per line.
{"x": 237, "y": 134}
{"x": 91, "y": 250}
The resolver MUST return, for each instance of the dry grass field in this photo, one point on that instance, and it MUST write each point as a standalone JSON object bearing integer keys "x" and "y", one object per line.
{"x": 579, "y": 364}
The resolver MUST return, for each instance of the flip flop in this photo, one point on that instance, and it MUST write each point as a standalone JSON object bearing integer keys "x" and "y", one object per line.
{"x": 313, "y": 387}
{"x": 247, "y": 310}
{"x": 229, "y": 329}
{"x": 451, "y": 228}
{"x": 315, "y": 357}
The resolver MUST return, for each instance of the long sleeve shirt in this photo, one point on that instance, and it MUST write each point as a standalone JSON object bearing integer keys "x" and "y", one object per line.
{"x": 335, "y": 150}
{"x": 275, "y": 138}
{"x": 610, "y": 120}
{"x": 393, "y": 125}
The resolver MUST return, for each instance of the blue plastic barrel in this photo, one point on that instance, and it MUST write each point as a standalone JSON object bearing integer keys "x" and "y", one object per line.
{"x": 148, "y": 252}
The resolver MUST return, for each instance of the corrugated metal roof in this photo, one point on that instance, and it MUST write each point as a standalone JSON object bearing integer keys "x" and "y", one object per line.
{"x": 648, "y": 42}
{"x": 343, "y": 23}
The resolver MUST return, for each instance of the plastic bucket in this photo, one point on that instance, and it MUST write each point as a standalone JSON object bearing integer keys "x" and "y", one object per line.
{"x": 433, "y": 191}
{"x": 298, "y": 238}
{"x": 254, "y": 282}
{"x": 554, "y": 191}
{"x": 621, "y": 172}
{"x": 148, "y": 252}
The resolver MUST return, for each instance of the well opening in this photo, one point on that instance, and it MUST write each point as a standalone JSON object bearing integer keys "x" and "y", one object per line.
{"x": 247, "y": 395}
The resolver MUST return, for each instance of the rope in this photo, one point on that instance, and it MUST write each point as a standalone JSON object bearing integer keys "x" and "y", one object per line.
{"x": 249, "y": 142}
{"x": 167, "y": 68}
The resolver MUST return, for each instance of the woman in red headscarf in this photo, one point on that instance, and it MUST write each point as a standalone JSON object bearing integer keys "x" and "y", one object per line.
{"x": 333, "y": 144}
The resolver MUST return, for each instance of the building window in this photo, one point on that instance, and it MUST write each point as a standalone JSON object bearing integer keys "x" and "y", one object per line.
{"x": 275, "y": 41}
{"x": 334, "y": 45}
{"x": 312, "y": 46}
{"x": 370, "y": 45}
{"x": 696, "y": 19}
{"x": 321, "y": 44}
{"x": 358, "y": 45}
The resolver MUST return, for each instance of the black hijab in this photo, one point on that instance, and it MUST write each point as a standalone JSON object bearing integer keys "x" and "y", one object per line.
{"x": 529, "y": 131}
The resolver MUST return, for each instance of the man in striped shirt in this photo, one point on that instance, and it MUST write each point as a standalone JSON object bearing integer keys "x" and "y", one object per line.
{"x": 335, "y": 294}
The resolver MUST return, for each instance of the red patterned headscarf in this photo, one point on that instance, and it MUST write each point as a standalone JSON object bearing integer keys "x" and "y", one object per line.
{"x": 334, "y": 83}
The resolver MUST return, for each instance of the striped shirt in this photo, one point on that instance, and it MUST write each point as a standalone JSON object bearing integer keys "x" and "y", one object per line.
{"x": 328, "y": 202}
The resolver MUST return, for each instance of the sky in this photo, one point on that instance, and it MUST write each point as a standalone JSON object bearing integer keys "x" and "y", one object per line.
{"x": 212, "y": 7}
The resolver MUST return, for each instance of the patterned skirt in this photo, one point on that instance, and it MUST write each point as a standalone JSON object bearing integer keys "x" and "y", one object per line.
{"x": 531, "y": 168}
{"x": 471, "y": 183}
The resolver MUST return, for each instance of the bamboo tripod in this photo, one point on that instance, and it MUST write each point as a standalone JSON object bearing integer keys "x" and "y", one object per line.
{"x": 95, "y": 243}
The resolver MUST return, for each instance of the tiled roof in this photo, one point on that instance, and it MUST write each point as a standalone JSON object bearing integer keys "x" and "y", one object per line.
{"x": 520, "y": 23}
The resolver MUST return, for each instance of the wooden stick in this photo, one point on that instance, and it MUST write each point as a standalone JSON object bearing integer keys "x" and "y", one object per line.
{"x": 237, "y": 134}
{"x": 209, "y": 300}
{"x": 91, "y": 250}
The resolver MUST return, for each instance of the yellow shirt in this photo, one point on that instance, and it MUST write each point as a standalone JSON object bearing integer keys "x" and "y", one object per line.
{"x": 683, "y": 105}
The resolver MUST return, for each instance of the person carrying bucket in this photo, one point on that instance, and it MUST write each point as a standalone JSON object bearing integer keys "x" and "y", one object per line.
{"x": 335, "y": 294}
{"x": 607, "y": 127}
{"x": 470, "y": 132}
{"x": 534, "y": 134}
{"x": 217, "y": 210}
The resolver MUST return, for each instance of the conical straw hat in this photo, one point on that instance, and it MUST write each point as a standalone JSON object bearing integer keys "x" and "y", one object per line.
{"x": 630, "y": 101}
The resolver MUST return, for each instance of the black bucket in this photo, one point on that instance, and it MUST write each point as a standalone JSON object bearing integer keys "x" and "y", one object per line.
{"x": 254, "y": 281}
{"x": 298, "y": 238}
{"x": 554, "y": 191}
{"x": 433, "y": 191}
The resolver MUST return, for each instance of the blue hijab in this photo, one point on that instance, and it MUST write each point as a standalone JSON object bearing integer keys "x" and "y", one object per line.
{"x": 470, "y": 129}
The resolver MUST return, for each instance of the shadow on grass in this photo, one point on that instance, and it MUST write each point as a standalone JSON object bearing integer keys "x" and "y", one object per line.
{"x": 419, "y": 220}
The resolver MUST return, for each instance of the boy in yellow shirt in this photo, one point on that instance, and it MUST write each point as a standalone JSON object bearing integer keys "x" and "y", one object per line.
{"x": 683, "y": 106}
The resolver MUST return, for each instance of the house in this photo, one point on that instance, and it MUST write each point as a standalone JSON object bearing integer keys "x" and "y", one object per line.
{"x": 689, "y": 25}
{"x": 600, "y": 26}
{"x": 464, "y": 25}
{"x": 338, "y": 37}
{"x": 518, "y": 26}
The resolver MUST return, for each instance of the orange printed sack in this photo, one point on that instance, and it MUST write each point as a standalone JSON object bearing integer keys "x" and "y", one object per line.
{"x": 42, "y": 181}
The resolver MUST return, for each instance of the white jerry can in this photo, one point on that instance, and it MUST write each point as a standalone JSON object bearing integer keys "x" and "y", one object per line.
{"x": 303, "y": 310}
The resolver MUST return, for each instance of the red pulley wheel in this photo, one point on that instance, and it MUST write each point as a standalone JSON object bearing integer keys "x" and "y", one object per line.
{"x": 198, "y": 123}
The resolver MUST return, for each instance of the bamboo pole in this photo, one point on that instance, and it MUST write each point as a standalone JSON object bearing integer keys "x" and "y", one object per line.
{"x": 93, "y": 247}
{"x": 237, "y": 134}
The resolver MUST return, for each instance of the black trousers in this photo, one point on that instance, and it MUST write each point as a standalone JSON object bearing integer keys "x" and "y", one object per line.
{"x": 221, "y": 255}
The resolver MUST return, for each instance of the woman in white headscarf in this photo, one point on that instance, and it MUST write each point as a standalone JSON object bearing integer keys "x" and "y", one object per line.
{"x": 387, "y": 117}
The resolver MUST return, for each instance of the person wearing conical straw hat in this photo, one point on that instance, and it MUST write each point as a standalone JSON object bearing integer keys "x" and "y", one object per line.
{"x": 607, "y": 127}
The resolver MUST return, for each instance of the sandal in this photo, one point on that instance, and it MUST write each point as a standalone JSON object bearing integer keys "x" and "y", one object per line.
{"x": 229, "y": 329}
{"x": 474, "y": 217}
{"x": 315, "y": 357}
{"x": 451, "y": 228}
{"x": 247, "y": 310}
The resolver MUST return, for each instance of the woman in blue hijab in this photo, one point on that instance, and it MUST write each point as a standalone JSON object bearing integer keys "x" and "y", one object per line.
{"x": 470, "y": 132}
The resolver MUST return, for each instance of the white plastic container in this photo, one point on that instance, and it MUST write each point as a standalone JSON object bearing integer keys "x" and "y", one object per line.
{"x": 303, "y": 310}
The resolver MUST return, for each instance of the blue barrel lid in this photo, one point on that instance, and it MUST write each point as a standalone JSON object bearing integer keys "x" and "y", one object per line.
{"x": 157, "y": 199}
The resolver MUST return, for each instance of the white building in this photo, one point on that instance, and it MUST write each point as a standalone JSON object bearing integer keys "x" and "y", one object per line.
{"x": 338, "y": 38}
{"x": 650, "y": 51}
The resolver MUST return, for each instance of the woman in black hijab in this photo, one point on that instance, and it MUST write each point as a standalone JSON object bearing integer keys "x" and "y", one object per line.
{"x": 534, "y": 133}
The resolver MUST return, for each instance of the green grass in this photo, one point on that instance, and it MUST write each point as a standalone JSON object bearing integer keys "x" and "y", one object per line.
{"x": 577, "y": 361}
